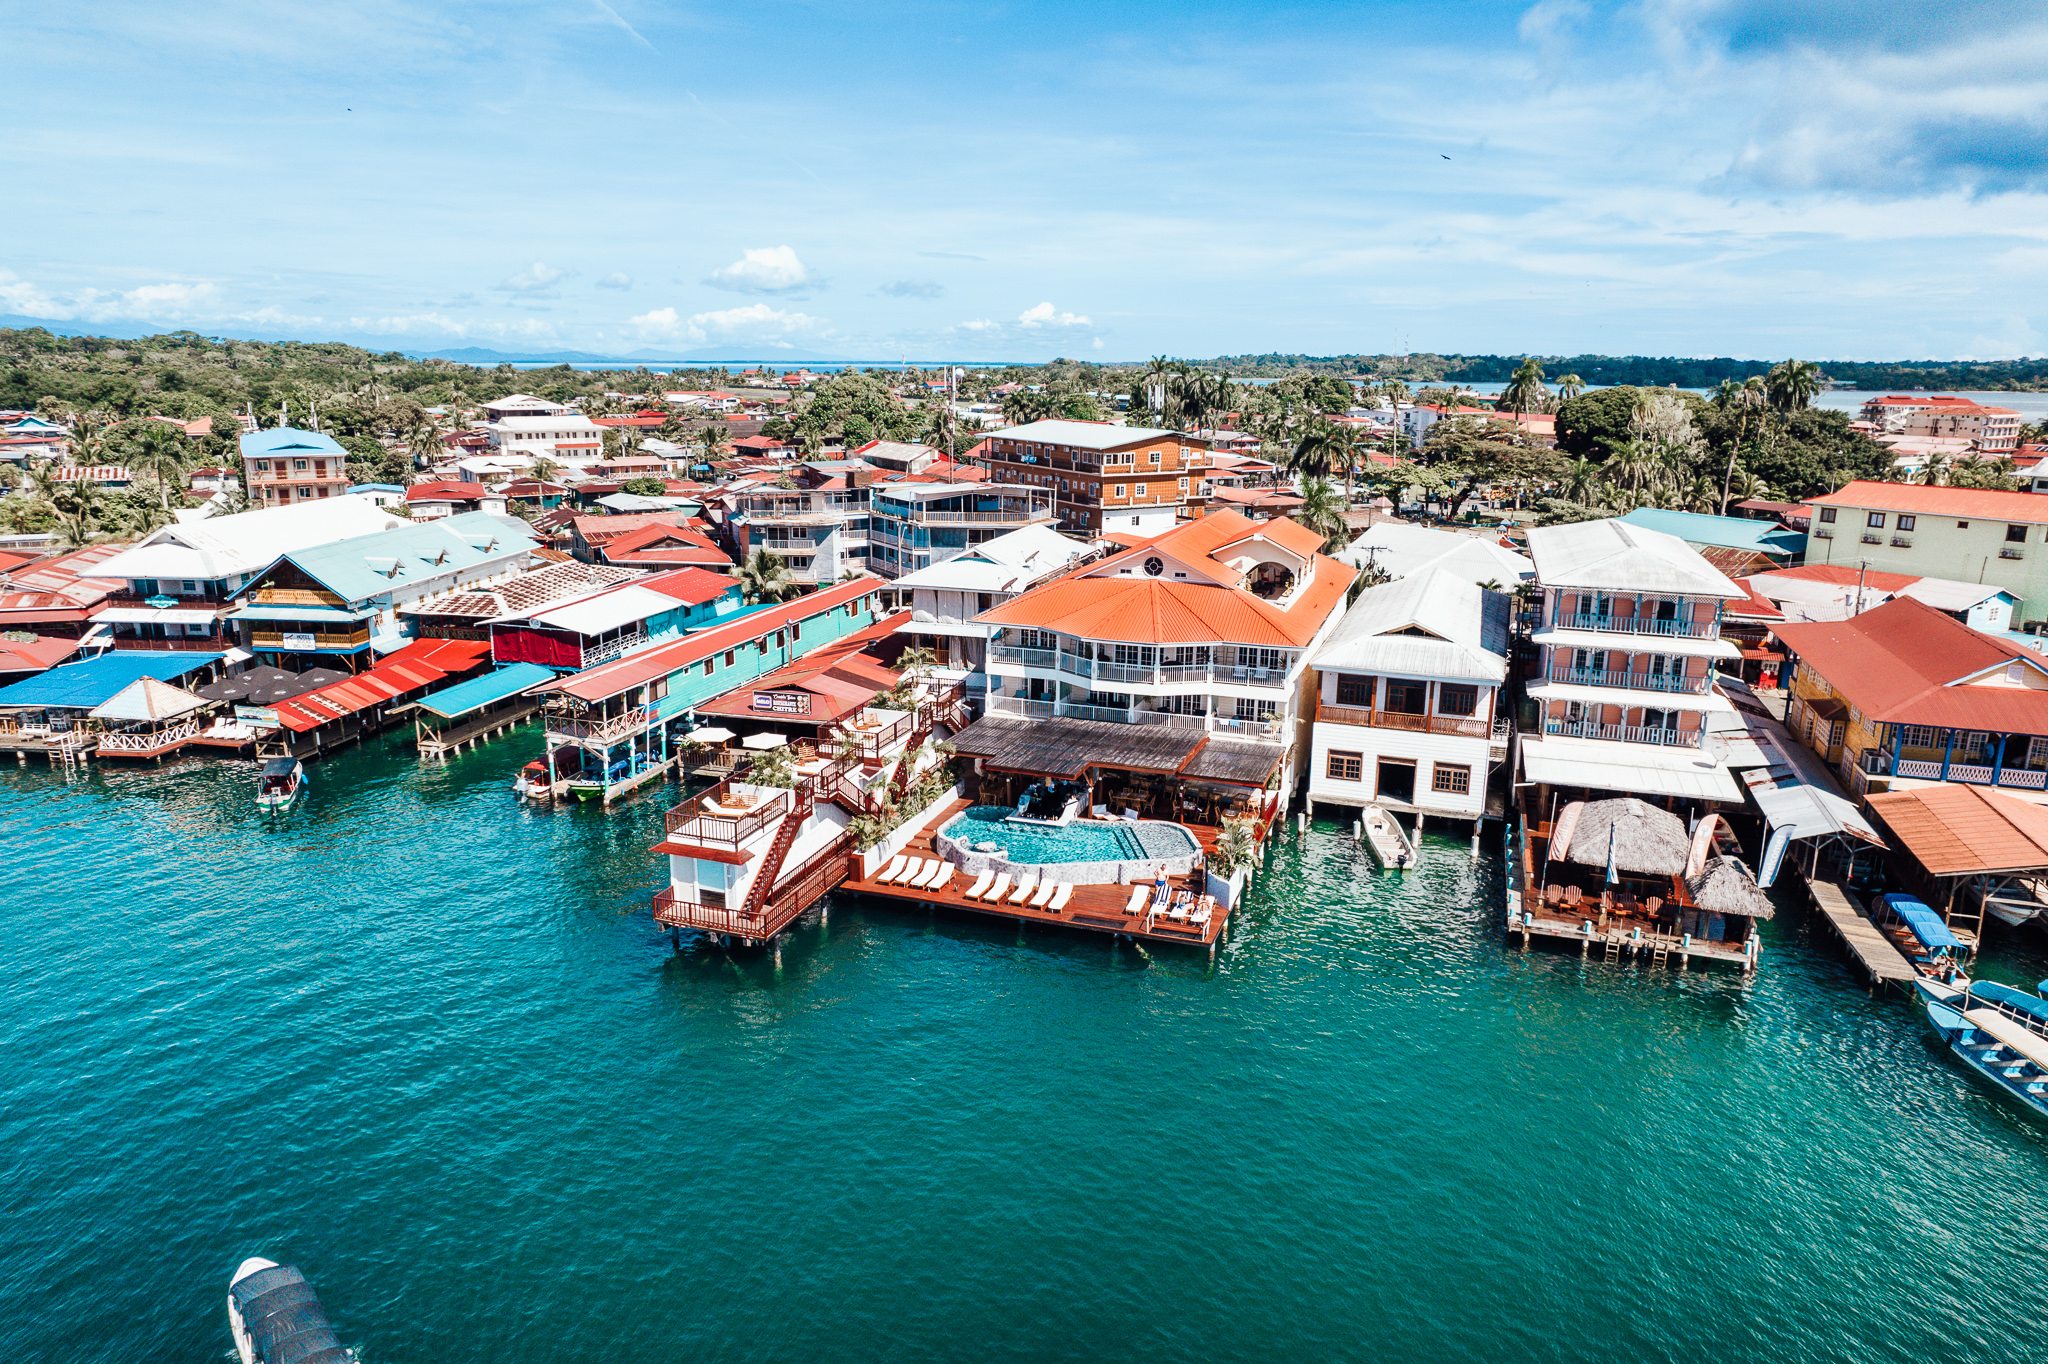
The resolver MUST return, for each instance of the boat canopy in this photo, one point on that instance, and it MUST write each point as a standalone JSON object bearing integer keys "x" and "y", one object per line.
{"x": 279, "y": 767}
{"x": 284, "y": 1318}
{"x": 1922, "y": 922}
{"x": 2032, "y": 1006}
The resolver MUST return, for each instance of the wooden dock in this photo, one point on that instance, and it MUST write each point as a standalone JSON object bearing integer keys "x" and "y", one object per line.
{"x": 1095, "y": 909}
{"x": 1867, "y": 943}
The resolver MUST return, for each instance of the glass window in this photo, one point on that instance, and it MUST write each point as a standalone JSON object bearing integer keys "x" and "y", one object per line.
{"x": 1449, "y": 777}
{"x": 1407, "y": 698}
{"x": 1459, "y": 699}
{"x": 1353, "y": 690}
{"x": 1347, "y": 766}
{"x": 1875, "y": 520}
{"x": 1827, "y": 516}
{"x": 1908, "y": 522}
{"x": 1248, "y": 709}
{"x": 2015, "y": 534}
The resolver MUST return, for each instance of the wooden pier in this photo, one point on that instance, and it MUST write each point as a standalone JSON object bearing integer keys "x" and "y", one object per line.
{"x": 445, "y": 743}
{"x": 1095, "y": 909}
{"x": 1881, "y": 961}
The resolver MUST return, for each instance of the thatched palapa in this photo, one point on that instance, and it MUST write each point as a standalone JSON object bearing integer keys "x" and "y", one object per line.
{"x": 1647, "y": 841}
{"x": 1725, "y": 886}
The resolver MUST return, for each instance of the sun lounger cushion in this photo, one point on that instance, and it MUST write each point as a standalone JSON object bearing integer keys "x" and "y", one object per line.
{"x": 916, "y": 867}
{"x": 1061, "y": 896}
{"x": 894, "y": 869}
{"x": 931, "y": 873}
{"x": 995, "y": 892}
{"x": 945, "y": 875}
{"x": 981, "y": 883}
{"x": 1026, "y": 883}
{"x": 1137, "y": 903}
{"x": 1045, "y": 890}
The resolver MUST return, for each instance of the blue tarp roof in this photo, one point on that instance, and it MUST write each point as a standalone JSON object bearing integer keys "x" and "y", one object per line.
{"x": 1922, "y": 922}
{"x": 289, "y": 438}
{"x": 478, "y": 692}
{"x": 96, "y": 681}
{"x": 1731, "y": 532}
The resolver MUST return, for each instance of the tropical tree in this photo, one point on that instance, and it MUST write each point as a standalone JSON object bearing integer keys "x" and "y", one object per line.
{"x": 1235, "y": 848}
{"x": 1745, "y": 400}
{"x": 1322, "y": 511}
{"x": 914, "y": 665}
{"x": 1525, "y": 392}
{"x": 714, "y": 442}
{"x": 1793, "y": 384}
{"x": 765, "y": 577}
{"x": 1569, "y": 386}
{"x": 1316, "y": 453}
{"x": 543, "y": 470}
{"x": 159, "y": 454}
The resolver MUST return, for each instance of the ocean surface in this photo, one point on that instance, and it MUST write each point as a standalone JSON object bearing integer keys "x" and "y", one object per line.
{"x": 428, "y": 1046}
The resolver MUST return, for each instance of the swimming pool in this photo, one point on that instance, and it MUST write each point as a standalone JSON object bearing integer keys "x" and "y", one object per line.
{"x": 1087, "y": 852}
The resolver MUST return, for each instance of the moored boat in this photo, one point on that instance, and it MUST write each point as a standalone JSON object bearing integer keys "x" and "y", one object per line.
{"x": 280, "y": 783}
{"x": 532, "y": 781}
{"x": 276, "y": 1317}
{"x": 1997, "y": 1031}
{"x": 1389, "y": 842}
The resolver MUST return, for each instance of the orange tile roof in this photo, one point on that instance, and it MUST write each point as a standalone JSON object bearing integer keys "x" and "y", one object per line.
{"x": 1899, "y": 662}
{"x": 1957, "y": 830}
{"x": 1146, "y": 610}
{"x": 1938, "y": 501}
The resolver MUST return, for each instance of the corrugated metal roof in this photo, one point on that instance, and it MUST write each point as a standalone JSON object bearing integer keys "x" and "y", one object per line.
{"x": 1399, "y": 549}
{"x": 246, "y": 542}
{"x": 1900, "y": 662}
{"x": 1957, "y": 830}
{"x": 91, "y": 682}
{"x": 1730, "y": 532}
{"x": 478, "y": 692}
{"x": 363, "y": 567}
{"x": 1621, "y": 557}
{"x": 1087, "y": 435}
{"x": 1469, "y": 625}
{"x": 279, "y": 438}
{"x": 1631, "y": 769}
{"x": 1938, "y": 501}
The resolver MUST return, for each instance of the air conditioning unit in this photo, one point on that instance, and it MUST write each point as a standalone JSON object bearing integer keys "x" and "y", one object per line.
{"x": 1870, "y": 539}
{"x": 1901, "y": 542}
{"x": 1823, "y": 533}
{"x": 2011, "y": 553}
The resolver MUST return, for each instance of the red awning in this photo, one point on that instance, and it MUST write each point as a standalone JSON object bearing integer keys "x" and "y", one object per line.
{"x": 418, "y": 665}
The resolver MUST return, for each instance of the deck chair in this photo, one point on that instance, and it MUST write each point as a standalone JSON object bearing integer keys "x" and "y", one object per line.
{"x": 1138, "y": 894}
{"x": 995, "y": 892}
{"x": 916, "y": 867}
{"x": 1060, "y": 896}
{"x": 931, "y": 873}
{"x": 1573, "y": 895}
{"x": 895, "y": 869}
{"x": 1553, "y": 893}
{"x": 1130, "y": 815}
{"x": 981, "y": 883}
{"x": 1026, "y": 883}
{"x": 945, "y": 875}
{"x": 1045, "y": 890}
{"x": 1653, "y": 905}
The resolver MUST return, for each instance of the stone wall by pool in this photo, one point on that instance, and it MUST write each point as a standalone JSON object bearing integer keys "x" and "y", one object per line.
{"x": 1159, "y": 842}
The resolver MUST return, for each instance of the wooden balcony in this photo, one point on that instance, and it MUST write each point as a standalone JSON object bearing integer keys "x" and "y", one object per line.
{"x": 1635, "y": 681}
{"x": 1469, "y": 727}
{"x": 708, "y": 820}
{"x": 322, "y": 639}
{"x": 604, "y": 730}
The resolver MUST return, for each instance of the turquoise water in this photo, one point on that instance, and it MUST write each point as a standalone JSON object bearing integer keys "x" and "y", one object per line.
{"x": 1083, "y": 842}
{"x": 427, "y": 1045}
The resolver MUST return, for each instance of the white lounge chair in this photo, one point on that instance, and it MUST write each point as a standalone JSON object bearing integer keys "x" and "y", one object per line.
{"x": 1026, "y": 883}
{"x": 981, "y": 883}
{"x": 1130, "y": 815}
{"x": 945, "y": 875}
{"x": 918, "y": 867}
{"x": 1064, "y": 893}
{"x": 995, "y": 892}
{"x": 895, "y": 869}
{"x": 1138, "y": 894}
{"x": 932, "y": 873}
{"x": 1045, "y": 890}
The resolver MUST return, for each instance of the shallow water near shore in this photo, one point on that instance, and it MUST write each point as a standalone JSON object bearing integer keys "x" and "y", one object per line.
{"x": 427, "y": 1045}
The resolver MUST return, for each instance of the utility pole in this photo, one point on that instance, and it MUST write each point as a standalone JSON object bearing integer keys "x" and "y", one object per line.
{"x": 1862, "y": 567}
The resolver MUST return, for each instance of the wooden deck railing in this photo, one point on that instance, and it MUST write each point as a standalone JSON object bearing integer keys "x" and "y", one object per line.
{"x": 692, "y": 823}
{"x": 1468, "y": 726}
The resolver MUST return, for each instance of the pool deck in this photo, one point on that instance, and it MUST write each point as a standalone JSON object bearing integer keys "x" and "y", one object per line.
{"x": 1095, "y": 909}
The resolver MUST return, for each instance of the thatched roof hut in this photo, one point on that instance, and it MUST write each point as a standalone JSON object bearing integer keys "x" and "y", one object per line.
{"x": 1725, "y": 886}
{"x": 1647, "y": 841}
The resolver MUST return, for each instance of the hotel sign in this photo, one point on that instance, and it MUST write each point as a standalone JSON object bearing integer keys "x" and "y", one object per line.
{"x": 783, "y": 702}
{"x": 292, "y": 641}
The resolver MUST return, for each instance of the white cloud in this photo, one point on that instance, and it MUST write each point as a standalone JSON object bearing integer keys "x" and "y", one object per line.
{"x": 1096, "y": 344}
{"x": 981, "y": 324}
{"x": 617, "y": 279}
{"x": 752, "y": 320}
{"x": 763, "y": 270}
{"x": 173, "y": 300}
{"x": 535, "y": 280}
{"x": 1045, "y": 315}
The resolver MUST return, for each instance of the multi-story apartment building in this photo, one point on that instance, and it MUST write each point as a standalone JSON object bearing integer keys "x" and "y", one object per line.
{"x": 944, "y": 599}
{"x": 1994, "y": 430}
{"x": 819, "y": 526}
{"x": 1629, "y": 639}
{"x": 285, "y": 465}
{"x": 1968, "y": 534}
{"x": 1407, "y": 691}
{"x": 1201, "y": 634}
{"x": 913, "y": 526}
{"x": 1133, "y": 479}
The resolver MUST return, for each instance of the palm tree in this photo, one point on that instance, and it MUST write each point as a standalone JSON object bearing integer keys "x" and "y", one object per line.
{"x": 916, "y": 664}
{"x": 1793, "y": 384}
{"x": 1936, "y": 470}
{"x": 1525, "y": 392}
{"x": 1316, "y": 454}
{"x": 1743, "y": 399}
{"x": 1322, "y": 511}
{"x": 543, "y": 470}
{"x": 1569, "y": 386}
{"x": 714, "y": 441}
{"x": 160, "y": 455}
{"x": 765, "y": 577}
{"x": 1582, "y": 480}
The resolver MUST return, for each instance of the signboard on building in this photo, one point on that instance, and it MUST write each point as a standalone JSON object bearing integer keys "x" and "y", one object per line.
{"x": 783, "y": 702}
{"x": 160, "y": 601}
{"x": 292, "y": 641}
{"x": 257, "y": 715}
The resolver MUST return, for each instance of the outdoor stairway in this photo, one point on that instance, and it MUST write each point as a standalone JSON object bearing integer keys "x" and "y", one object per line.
{"x": 785, "y": 838}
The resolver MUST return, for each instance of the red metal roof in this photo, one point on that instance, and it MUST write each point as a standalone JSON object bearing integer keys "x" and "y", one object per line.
{"x": 844, "y": 677}
{"x": 35, "y": 655}
{"x": 444, "y": 490}
{"x": 692, "y": 586}
{"x": 1938, "y": 501}
{"x": 419, "y": 664}
{"x": 1960, "y": 830}
{"x": 1837, "y": 575}
{"x": 1902, "y": 662}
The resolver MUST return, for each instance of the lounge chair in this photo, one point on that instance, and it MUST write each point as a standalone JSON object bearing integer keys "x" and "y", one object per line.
{"x": 1130, "y": 815}
{"x": 1553, "y": 894}
{"x": 1045, "y": 890}
{"x": 931, "y": 873}
{"x": 1026, "y": 883}
{"x": 895, "y": 869}
{"x": 945, "y": 875}
{"x": 918, "y": 867}
{"x": 1200, "y": 918}
{"x": 1162, "y": 899}
{"x": 995, "y": 892}
{"x": 1060, "y": 896}
{"x": 1138, "y": 894}
{"x": 981, "y": 883}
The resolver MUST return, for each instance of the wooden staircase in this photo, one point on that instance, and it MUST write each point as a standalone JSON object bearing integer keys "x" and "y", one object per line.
{"x": 804, "y": 801}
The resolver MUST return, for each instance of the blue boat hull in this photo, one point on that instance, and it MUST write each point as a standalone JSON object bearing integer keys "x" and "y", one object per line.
{"x": 1991, "y": 1060}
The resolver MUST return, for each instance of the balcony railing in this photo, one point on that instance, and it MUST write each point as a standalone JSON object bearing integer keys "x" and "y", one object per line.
{"x": 1170, "y": 674}
{"x": 602, "y": 731}
{"x": 694, "y": 821}
{"x": 1029, "y": 658}
{"x": 151, "y": 741}
{"x": 1633, "y": 734}
{"x": 1031, "y": 708}
{"x": 1470, "y": 727}
{"x": 1020, "y": 707}
{"x": 1634, "y": 625}
{"x": 322, "y": 639}
{"x": 604, "y": 651}
{"x": 1667, "y": 682}
{"x": 205, "y": 643}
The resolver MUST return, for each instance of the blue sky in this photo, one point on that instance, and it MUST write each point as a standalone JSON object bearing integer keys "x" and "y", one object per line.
{"x": 1005, "y": 181}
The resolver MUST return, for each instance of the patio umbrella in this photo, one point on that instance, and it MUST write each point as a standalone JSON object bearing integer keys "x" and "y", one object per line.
{"x": 709, "y": 734}
{"x": 761, "y": 743}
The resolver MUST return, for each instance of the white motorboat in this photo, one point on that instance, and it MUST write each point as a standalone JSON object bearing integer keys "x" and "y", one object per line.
{"x": 1389, "y": 842}
{"x": 277, "y": 1319}
{"x": 280, "y": 783}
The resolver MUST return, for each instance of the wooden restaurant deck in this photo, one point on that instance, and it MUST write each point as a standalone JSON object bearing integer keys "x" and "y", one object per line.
{"x": 1098, "y": 909}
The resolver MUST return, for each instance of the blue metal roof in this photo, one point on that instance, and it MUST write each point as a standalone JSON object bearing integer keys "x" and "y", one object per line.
{"x": 1730, "y": 532}
{"x": 289, "y": 438}
{"x": 478, "y": 692}
{"x": 368, "y": 566}
{"x": 98, "y": 680}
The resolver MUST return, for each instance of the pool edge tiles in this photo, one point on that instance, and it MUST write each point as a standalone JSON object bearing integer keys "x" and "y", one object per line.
{"x": 986, "y": 821}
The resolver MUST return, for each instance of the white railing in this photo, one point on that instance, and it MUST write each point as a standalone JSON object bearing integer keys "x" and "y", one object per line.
{"x": 143, "y": 743}
{"x": 1976, "y": 776}
{"x": 1029, "y": 658}
{"x": 606, "y": 650}
{"x": 1021, "y": 707}
{"x": 2024, "y": 777}
{"x": 1602, "y": 677}
{"x": 1633, "y": 734}
{"x": 1923, "y": 771}
{"x": 1633, "y": 625}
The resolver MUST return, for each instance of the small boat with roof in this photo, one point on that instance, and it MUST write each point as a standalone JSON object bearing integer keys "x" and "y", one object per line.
{"x": 1997, "y": 1031}
{"x": 280, "y": 783}
{"x": 276, "y": 1317}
